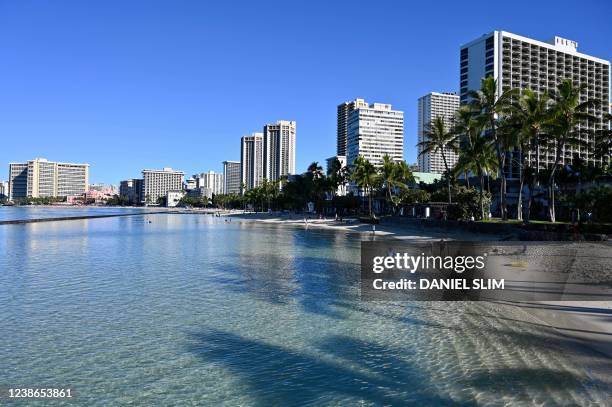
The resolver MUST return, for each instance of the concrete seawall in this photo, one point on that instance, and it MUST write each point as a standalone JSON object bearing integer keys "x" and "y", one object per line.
{"x": 110, "y": 215}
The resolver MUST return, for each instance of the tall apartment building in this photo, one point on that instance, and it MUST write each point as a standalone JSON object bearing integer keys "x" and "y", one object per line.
{"x": 344, "y": 109}
{"x": 279, "y": 149}
{"x": 373, "y": 131}
{"x": 434, "y": 105}
{"x": 40, "y": 178}
{"x": 231, "y": 177}
{"x": 211, "y": 181}
{"x": 157, "y": 183}
{"x": 132, "y": 190}
{"x": 521, "y": 62}
{"x": 251, "y": 160}
{"x": 18, "y": 181}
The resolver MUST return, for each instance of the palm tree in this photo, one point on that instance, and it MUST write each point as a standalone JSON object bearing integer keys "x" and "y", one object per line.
{"x": 387, "y": 175}
{"x": 439, "y": 138}
{"x": 567, "y": 113}
{"x": 366, "y": 177}
{"x": 476, "y": 154}
{"x": 529, "y": 114}
{"x": 317, "y": 183}
{"x": 490, "y": 105}
{"x": 394, "y": 175}
{"x": 603, "y": 142}
{"x": 336, "y": 175}
{"x": 401, "y": 177}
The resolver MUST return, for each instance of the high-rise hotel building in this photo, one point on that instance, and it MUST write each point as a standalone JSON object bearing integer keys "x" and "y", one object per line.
{"x": 344, "y": 109}
{"x": 520, "y": 62}
{"x": 231, "y": 177}
{"x": 157, "y": 183}
{"x": 211, "y": 181}
{"x": 373, "y": 131}
{"x": 434, "y": 105}
{"x": 251, "y": 160}
{"x": 40, "y": 178}
{"x": 278, "y": 149}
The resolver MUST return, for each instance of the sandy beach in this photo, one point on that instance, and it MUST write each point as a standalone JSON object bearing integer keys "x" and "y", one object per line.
{"x": 352, "y": 225}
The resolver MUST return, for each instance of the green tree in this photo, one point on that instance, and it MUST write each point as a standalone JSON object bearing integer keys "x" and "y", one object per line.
{"x": 490, "y": 106}
{"x": 439, "y": 138}
{"x": 393, "y": 176}
{"x": 529, "y": 116}
{"x": 476, "y": 153}
{"x": 562, "y": 129}
{"x": 366, "y": 177}
{"x": 603, "y": 142}
{"x": 337, "y": 175}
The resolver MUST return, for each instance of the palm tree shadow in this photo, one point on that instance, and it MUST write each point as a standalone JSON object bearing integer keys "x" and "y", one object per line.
{"x": 281, "y": 376}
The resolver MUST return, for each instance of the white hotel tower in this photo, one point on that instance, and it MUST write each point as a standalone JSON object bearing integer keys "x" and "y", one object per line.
{"x": 520, "y": 62}
{"x": 431, "y": 106}
{"x": 373, "y": 131}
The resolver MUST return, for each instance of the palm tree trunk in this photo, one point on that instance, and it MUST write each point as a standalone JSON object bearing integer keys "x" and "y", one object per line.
{"x": 529, "y": 202}
{"x": 467, "y": 179}
{"x": 502, "y": 183}
{"x": 519, "y": 203}
{"x": 482, "y": 212}
{"x": 370, "y": 201}
{"x": 551, "y": 184}
{"x": 448, "y": 175}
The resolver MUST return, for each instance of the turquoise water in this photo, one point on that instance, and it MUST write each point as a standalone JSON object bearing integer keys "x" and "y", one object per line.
{"x": 190, "y": 309}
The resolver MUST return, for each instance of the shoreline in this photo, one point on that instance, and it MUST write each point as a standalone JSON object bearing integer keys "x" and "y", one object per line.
{"x": 352, "y": 225}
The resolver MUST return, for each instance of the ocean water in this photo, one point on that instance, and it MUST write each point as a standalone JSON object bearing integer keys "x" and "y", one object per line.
{"x": 46, "y": 212}
{"x": 193, "y": 310}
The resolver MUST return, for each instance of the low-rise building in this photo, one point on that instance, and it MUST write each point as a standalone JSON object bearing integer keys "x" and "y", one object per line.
{"x": 342, "y": 189}
{"x": 4, "y": 190}
{"x": 132, "y": 191}
{"x": 174, "y": 197}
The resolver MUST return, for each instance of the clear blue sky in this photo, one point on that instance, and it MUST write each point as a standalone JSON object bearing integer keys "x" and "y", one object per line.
{"x": 127, "y": 85}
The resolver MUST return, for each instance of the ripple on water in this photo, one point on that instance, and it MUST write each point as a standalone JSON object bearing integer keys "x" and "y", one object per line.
{"x": 189, "y": 309}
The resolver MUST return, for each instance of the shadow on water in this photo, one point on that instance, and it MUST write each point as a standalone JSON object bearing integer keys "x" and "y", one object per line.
{"x": 316, "y": 284}
{"x": 279, "y": 376}
{"x": 360, "y": 370}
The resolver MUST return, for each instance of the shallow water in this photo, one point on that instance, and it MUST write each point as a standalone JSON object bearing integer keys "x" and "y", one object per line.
{"x": 190, "y": 309}
{"x": 46, "y": 212}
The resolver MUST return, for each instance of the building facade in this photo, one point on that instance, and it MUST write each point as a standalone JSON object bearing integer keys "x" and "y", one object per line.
{"x": 430, "y": 106}
{"x": 231, "y": 177}
{"x": 251, "y": 160}
{"x": 40, "y": 178}
{"x": 279, "y": 149}
{"x": 18, "y": 181}
{"x": 344, "y": 109}
{"x": 375, "y": 131}
{"x": 524, "y": 63}
{"x": 4, "y": 190}
{"x": 173, "y": 197}
{"x": 132, "y": 190}
{"x": 157, "y": 183}
{"x": 210, "y": 181}
{"x": 342, "y": 189}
